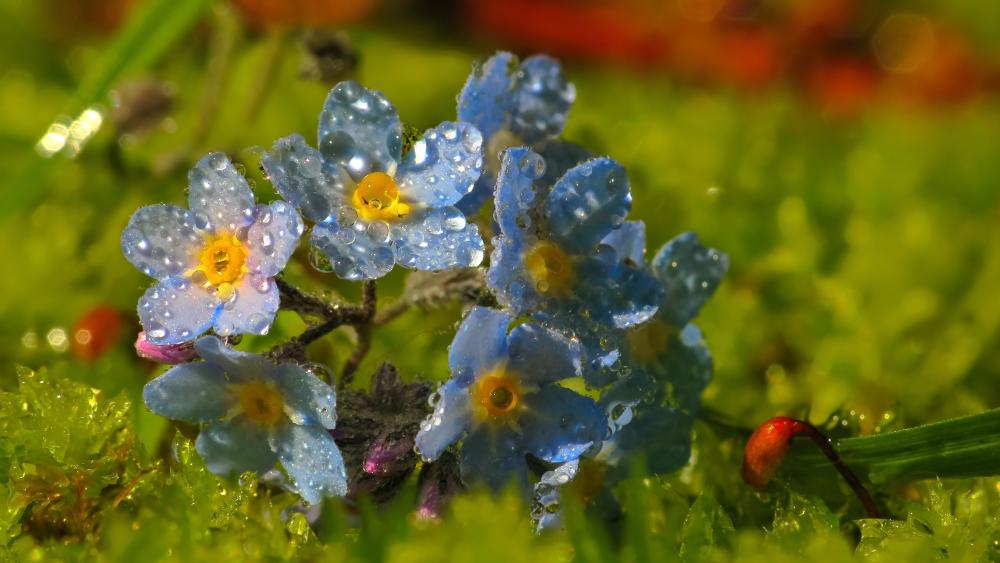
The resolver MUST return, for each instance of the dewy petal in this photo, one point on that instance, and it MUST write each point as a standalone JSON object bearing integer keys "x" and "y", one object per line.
{"x": 690, "y": 273}
{"x": 541, "y": 100}
{"x": 487, "y": 97}
{"x": 252, "y": 308}
{"x": 307, "y": 399}
{"x": 356, "y": 249}
{"x": 360, "y": 130}
{"x": 304, "y": 179}
{"x": 629, "y": 241}
{"x": 194, "y": 392}
{"x": 671, "y": 448}
{"x": 312, "y": 460}
{"x": 479, "y": 344}
{"x": 438, "y": 239}
{"x": 560, "y": 425}
{"x": 448, "y": 421}
{"x": 508, "y": 278}
{"x": 235, "y": 446}
{"x": 237, "y": 366}
{"x": 176, "y": 310}
{"x": 443, "y": 166}
{"x": 542, "y": 356}
{"x": 162, "y": 240}
{"x": 272, "y": 238}
{"x": 613, "y": 295}
{"x": 587, "y": 203}
{"x": 515, "y": 192}
{"x": 687, "y": 365}
{"x": 219, "y": 195}
{"x": 493, "y": 455}
{"x": 636, "y": 297}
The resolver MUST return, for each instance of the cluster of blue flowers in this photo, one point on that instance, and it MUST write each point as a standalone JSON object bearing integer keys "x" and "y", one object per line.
{"x": 564, "y": 257}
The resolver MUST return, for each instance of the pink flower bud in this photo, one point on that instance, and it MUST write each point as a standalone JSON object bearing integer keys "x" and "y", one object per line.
{"x": 166, "y": 354}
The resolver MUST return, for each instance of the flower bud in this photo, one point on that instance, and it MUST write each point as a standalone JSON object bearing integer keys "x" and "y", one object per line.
{"x": 165, "y": 354}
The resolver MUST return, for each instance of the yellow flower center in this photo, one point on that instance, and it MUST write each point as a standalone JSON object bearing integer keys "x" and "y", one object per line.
{"x": 495, "y": 394}
{"x": 261, "y": 403}
{"x": 550, "y": 268}
{"x": 222, "y": 263}
{"x": 377, "y": 197}
{"x": 648, "y": 341}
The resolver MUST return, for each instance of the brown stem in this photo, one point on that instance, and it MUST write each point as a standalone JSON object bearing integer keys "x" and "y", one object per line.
{"x": 852, "y": 480}
{"x": 334, "y": 316}
{"x": 361, "y": 349}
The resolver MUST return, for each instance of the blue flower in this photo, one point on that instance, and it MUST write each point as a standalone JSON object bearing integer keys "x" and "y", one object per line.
{"x": 517, "y": 104}
{"x": 504, "y": 397}
{"x": 549, "y": 258}
{"x": 664, "y": 362}
{"x": 373, "y": 207}
{"x": 214, "y": 263}
{"x": 256, "y": 413}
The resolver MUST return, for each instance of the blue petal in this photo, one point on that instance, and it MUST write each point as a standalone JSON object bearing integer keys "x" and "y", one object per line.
{"x": 542, "y": 98}
{"x": 629, "y": 241}
{"x": 272, "y": 238}
{"x": 479, "y": 344}
{"x": 493, "y": 455}
{"x": 312, "y": 460}
{"x": 251, "y": 309}
{"x": 690, "y": 273}
{"x": 450, "y": 418}
{"x": 487, "y": 97}
{"x": 238, "y": 367}
{"x": 308, "y": 400}
{"x": 671, "y": 448}
{"x": 636, "y": 296}
{"x": 438, "y": 239}
{"x": 687, "y": 365}
{"x": 509, "y": 279}
{"x": 176, "y": 310}
{"x": 603, "y": 346}
{"x": 360, "y": 130}
{"x": 560, "y": 156}
{"x": 193, "y": 392}
{"x": 219, "y": 195}
{"x": 560, "y": 425}
{"x": 515, "y": 191}
{"x": 545, "y": 500}
{"x": 235, "y": 446}
{"x": 609, "y": 294}
{"x": 543, "y": 356}
{"x": 588, "y": 202}
{"x": 162, "y": 240}
{"x": 301, "y": 176}
{"x": 443, "y": 166}
{"x": 356, "y": 249}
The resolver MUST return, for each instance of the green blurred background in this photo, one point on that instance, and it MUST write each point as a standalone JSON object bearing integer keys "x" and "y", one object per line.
{"x": 844, "y": 154}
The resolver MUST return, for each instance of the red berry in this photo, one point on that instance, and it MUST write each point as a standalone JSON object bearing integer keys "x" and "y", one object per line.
{"x": 96, "y": 332}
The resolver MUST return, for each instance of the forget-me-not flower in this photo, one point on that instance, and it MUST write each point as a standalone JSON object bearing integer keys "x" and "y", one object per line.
{"x": 549, "y": 259}
{"x": 256, "y": 413}
{"x": 213, "y": 262}
{"x": 665, "y": 361}
{"x": 516, "y": 103}
{"x": 504, "y": 397}
{"x": 373, "y": 206}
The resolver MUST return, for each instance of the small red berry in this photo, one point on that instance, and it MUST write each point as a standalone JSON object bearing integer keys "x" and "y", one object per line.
{"x": 96, "y": 332}
{"x": 766, "y": 449}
